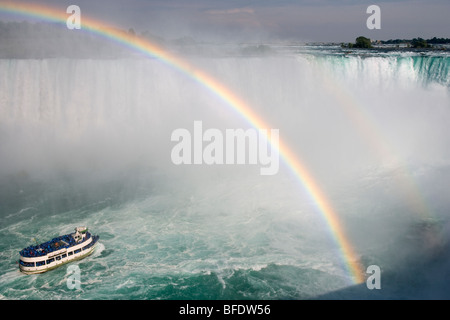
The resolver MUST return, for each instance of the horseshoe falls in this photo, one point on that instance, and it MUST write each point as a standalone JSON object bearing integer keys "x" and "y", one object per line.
{"x": 88, "y": 142}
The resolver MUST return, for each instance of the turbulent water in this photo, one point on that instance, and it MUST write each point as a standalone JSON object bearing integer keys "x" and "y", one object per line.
{"x": 88, "y": 142}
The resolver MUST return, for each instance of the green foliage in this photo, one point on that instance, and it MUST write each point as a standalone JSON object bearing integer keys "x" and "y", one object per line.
{"x": 419, "y": 43}
{"x": 438, "y": 40}
{"x": 362, "y": 42}
{"x": 433, "y": 40}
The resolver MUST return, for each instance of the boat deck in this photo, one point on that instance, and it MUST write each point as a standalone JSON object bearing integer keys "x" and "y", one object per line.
{"x": 58, "y": 243}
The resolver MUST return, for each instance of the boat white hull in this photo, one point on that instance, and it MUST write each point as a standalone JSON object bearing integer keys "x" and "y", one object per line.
{"x": 58, "y": 259}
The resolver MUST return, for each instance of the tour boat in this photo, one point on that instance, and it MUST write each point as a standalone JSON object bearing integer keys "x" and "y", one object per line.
{"x": 58, "y": 251}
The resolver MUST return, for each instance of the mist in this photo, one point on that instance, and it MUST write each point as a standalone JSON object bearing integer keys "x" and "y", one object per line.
{"x": 94, "y": 134}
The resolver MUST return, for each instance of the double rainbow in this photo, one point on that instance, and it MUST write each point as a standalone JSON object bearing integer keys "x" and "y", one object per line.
{"x": 231, "y": 99}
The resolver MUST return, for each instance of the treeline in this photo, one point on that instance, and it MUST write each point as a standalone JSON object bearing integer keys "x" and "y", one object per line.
{"x": 417, "y": 43}
{"x": 360, "y": 42}
{"x": 433, "y": 40}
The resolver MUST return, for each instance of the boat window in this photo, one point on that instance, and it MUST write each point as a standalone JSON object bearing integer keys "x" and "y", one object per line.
{"x": 78, "y": 250}
{"x": 58, "y": 258}
{"x": 27, "y": 264}
{"x": 40, "y": 263}
{"x": 64, "y": 255}
{"x": 70, "y": 253}
{"x": 50, "y": 260}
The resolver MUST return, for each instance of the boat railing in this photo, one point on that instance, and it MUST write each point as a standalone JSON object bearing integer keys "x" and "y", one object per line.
{"x": 51, "y": 246}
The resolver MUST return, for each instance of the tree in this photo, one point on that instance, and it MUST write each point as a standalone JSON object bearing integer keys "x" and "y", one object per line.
{"x": 363, "y": 42}
{"x": 419, "y": 43}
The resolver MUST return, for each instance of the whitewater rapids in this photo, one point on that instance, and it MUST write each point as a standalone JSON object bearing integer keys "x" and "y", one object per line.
{"x": 87, "y": 142}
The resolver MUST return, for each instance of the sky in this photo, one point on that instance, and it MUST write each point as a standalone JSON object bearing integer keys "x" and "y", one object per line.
{"x": 259, "y": 20}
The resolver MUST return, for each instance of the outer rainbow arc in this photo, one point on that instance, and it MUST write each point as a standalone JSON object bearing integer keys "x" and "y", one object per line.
{"x": 152, "y": 50}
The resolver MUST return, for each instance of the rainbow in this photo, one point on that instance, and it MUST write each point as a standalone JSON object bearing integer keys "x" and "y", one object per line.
{"x": 147, "y": 48}
{"x": 364, "y": 123}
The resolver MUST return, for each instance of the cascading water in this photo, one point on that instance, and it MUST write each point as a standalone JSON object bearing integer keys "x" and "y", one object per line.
{"x": 87, "y": 142}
